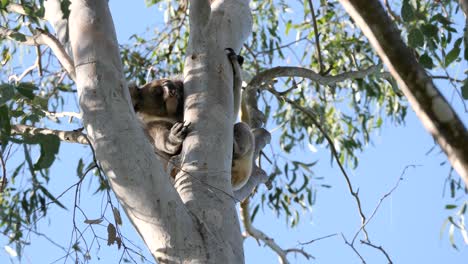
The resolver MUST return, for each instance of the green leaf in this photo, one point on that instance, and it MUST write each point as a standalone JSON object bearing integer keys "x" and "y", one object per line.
{"x": 440, "y": 18}
{"x": 288, "y": 27}
{"x": 426, "y": 61}
{"x": 17, "y": 36}
{"x": 51, "y": 197}
{"x": 415, "y": 38}
{"x": 430, "y": 31}
{"x": 5, "y": 127}
{"x": 464, "y": 89}
{"x": 4, "y": 3}
{"x": 452, "y": 55}
{"x": 7, "y": 91}
{"x": 254, "y": 212}
{"x": 65, "y": 7}
{"x": 450, "y": 206}
{"x": 26, "y": 89}
{"x": 407, "y": 12}
{"x": 79, "y": 168}
{"x": 49, "y": 148}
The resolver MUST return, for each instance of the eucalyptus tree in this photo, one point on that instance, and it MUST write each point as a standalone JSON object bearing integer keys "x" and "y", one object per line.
{"x": 335, "y": 96}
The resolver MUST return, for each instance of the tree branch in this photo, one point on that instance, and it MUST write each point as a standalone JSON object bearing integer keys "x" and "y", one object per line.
{"x": 437, "y": 116}
{"x": 290, "y": 71}
{"x": 75, "y": 136}
{"x": 16, "y": 8}
{"x": 317, "y": 41}
{"x": 43, "y": 38}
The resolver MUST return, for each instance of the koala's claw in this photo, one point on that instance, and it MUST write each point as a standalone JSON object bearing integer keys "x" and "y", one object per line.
{"x": 179, "y": 131}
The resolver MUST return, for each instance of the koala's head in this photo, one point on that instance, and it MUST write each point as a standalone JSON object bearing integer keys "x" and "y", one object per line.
{"x": 159, "y": 98}
{"x": 244, "y": 140}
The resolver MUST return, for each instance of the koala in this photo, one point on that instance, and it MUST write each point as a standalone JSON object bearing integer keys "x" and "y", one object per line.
{"x": 160, "y": 106}
{"x": 242, "y": 155}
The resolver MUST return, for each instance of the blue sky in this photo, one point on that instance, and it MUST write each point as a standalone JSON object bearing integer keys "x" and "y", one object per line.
{"x": 408, "y": 223}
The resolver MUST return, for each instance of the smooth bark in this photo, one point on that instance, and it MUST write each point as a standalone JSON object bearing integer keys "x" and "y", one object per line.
{"x": 136, "y": 176}
{"x": 196, "y": 222}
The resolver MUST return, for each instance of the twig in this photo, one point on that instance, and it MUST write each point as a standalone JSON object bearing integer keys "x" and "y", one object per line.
{"x": 316, "y": 239}
{"x": 28, "y": 70}
{"x": 64, "y": 114}
{"x": 379, "y": 248}
{"x": 390, "y": 11}
{"x": 43, "y": 38}
{"x": 317, "y": 41}
{"x": 16, "y": 8}
{"x": 259, "y": 235}
{"x": 353, "y": 248}
{"x": 39, "y": 61}
{"x": 447, "y": 78}
{"x": 4, "y": 176}
{"x": 277, "y": 48}
{"x": 74, "y": 136}
{"x": 382, "y": 199}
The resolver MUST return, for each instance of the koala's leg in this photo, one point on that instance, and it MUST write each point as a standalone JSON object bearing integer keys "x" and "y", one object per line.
{"x": 236, "y": 62}
{"x": 167, "y": 138}
{"x": 242, "y": 157}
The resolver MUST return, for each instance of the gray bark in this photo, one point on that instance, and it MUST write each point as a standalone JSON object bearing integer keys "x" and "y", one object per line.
{"x": 196, "y": 222}
{"x": 430, "y": 106}
{"x": 54, "y": 14}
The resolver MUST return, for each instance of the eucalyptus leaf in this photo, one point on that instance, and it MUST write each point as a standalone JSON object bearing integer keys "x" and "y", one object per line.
{"x": 7, "y": 91}
{"x": 49, "y": 145}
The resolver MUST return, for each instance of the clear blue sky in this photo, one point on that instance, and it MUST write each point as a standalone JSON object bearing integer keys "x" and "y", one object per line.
{"x": 408, "y": 224}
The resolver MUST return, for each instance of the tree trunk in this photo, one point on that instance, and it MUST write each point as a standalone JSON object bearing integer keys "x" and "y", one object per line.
{"x": 196, "y": 222}
{"x": 430, "y": 106}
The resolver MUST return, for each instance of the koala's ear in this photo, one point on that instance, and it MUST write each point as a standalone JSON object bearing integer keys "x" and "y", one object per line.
{"x": 135, "y": 94}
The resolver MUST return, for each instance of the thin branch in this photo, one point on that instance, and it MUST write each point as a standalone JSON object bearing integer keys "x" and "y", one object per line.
{"x": 289, "y": 71}
{"x": 353, "y": 248}
{"x": 382, "y": 199}
{"x": 3, "y": 183}
{"x": 39, "y": 61}
{"x": 17, "y": 79}
{"x": 317, "y": 41}
{"x": 74, "y": 136}
{"x": 317, "y": 239}
{"x": 447, "y": 78}
{"x": 16, "y": 8}
{"x": 379, "y": 248}
{"x": 276, "y": 48}
{"x": 390, "y": 11}
{"x": 259, "y": 235}
{"x": 43, "y": 38}
{"x": 64, "y": 114}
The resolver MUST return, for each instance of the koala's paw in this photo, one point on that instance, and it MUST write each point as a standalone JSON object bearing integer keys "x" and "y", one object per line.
{"x": 179, "y": 131}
